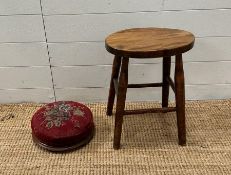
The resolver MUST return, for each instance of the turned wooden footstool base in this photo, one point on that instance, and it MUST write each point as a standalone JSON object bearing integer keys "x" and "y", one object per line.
{"x": 148, "y": 43}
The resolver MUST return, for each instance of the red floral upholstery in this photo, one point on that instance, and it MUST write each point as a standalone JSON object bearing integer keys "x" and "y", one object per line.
{"x": 63, "y": 123}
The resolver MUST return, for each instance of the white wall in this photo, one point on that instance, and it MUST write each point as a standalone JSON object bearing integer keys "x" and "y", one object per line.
{"x": 54, "y": 49}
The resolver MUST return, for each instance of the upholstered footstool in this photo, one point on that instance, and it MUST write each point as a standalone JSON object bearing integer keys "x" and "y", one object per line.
{"x": 62, "y": 126}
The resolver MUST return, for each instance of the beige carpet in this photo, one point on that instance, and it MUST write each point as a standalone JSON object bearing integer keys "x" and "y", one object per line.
{"x": 149, "y": 143}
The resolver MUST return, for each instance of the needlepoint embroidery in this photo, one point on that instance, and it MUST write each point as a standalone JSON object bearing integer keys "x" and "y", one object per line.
{"x": 56, "y": 115}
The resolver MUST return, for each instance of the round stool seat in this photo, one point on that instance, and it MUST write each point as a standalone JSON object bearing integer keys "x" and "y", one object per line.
{"x": 62, "y": 126}
{"x": 149, "y": 42}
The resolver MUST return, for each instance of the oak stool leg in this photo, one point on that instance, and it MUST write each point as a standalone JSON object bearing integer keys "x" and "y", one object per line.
{"x": 114, "y": 75}
{"x": 180, "y": 99}
{"x": 166, "y": 75}
{"x": 120, "y": 105}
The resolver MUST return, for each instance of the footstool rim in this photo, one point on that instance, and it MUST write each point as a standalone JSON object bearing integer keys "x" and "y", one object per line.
{"x": 65, "y": 148}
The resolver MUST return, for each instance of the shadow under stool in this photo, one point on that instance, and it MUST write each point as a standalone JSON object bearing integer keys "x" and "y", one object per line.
{"x": 148, "y": 43}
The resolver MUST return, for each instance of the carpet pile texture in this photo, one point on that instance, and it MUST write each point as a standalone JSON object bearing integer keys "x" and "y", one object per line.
{"x": 148, "y": 145}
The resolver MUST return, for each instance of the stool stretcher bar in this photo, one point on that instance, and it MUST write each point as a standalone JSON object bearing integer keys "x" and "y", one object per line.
{"x": 151, "y": 110}
{"x": 145, "y": 85}
{"x": 136, "y": 85}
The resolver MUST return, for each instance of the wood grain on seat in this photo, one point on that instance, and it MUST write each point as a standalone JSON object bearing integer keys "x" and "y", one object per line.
{"x": 149, "y": 42}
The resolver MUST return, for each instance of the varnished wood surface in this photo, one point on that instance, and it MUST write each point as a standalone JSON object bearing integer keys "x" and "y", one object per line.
{"x": 149, "y": 42}
{"x": 166, "y": 73}
{"x": 112, "y": 90}
{"x": 150, "y": 110}
{"x": 120, "y": 104}
{"x": 65, "y": 147}
{"x": 180, "y": 100}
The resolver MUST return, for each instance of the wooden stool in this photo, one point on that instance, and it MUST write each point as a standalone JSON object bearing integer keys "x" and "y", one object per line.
{"x": 148, "y": 43}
